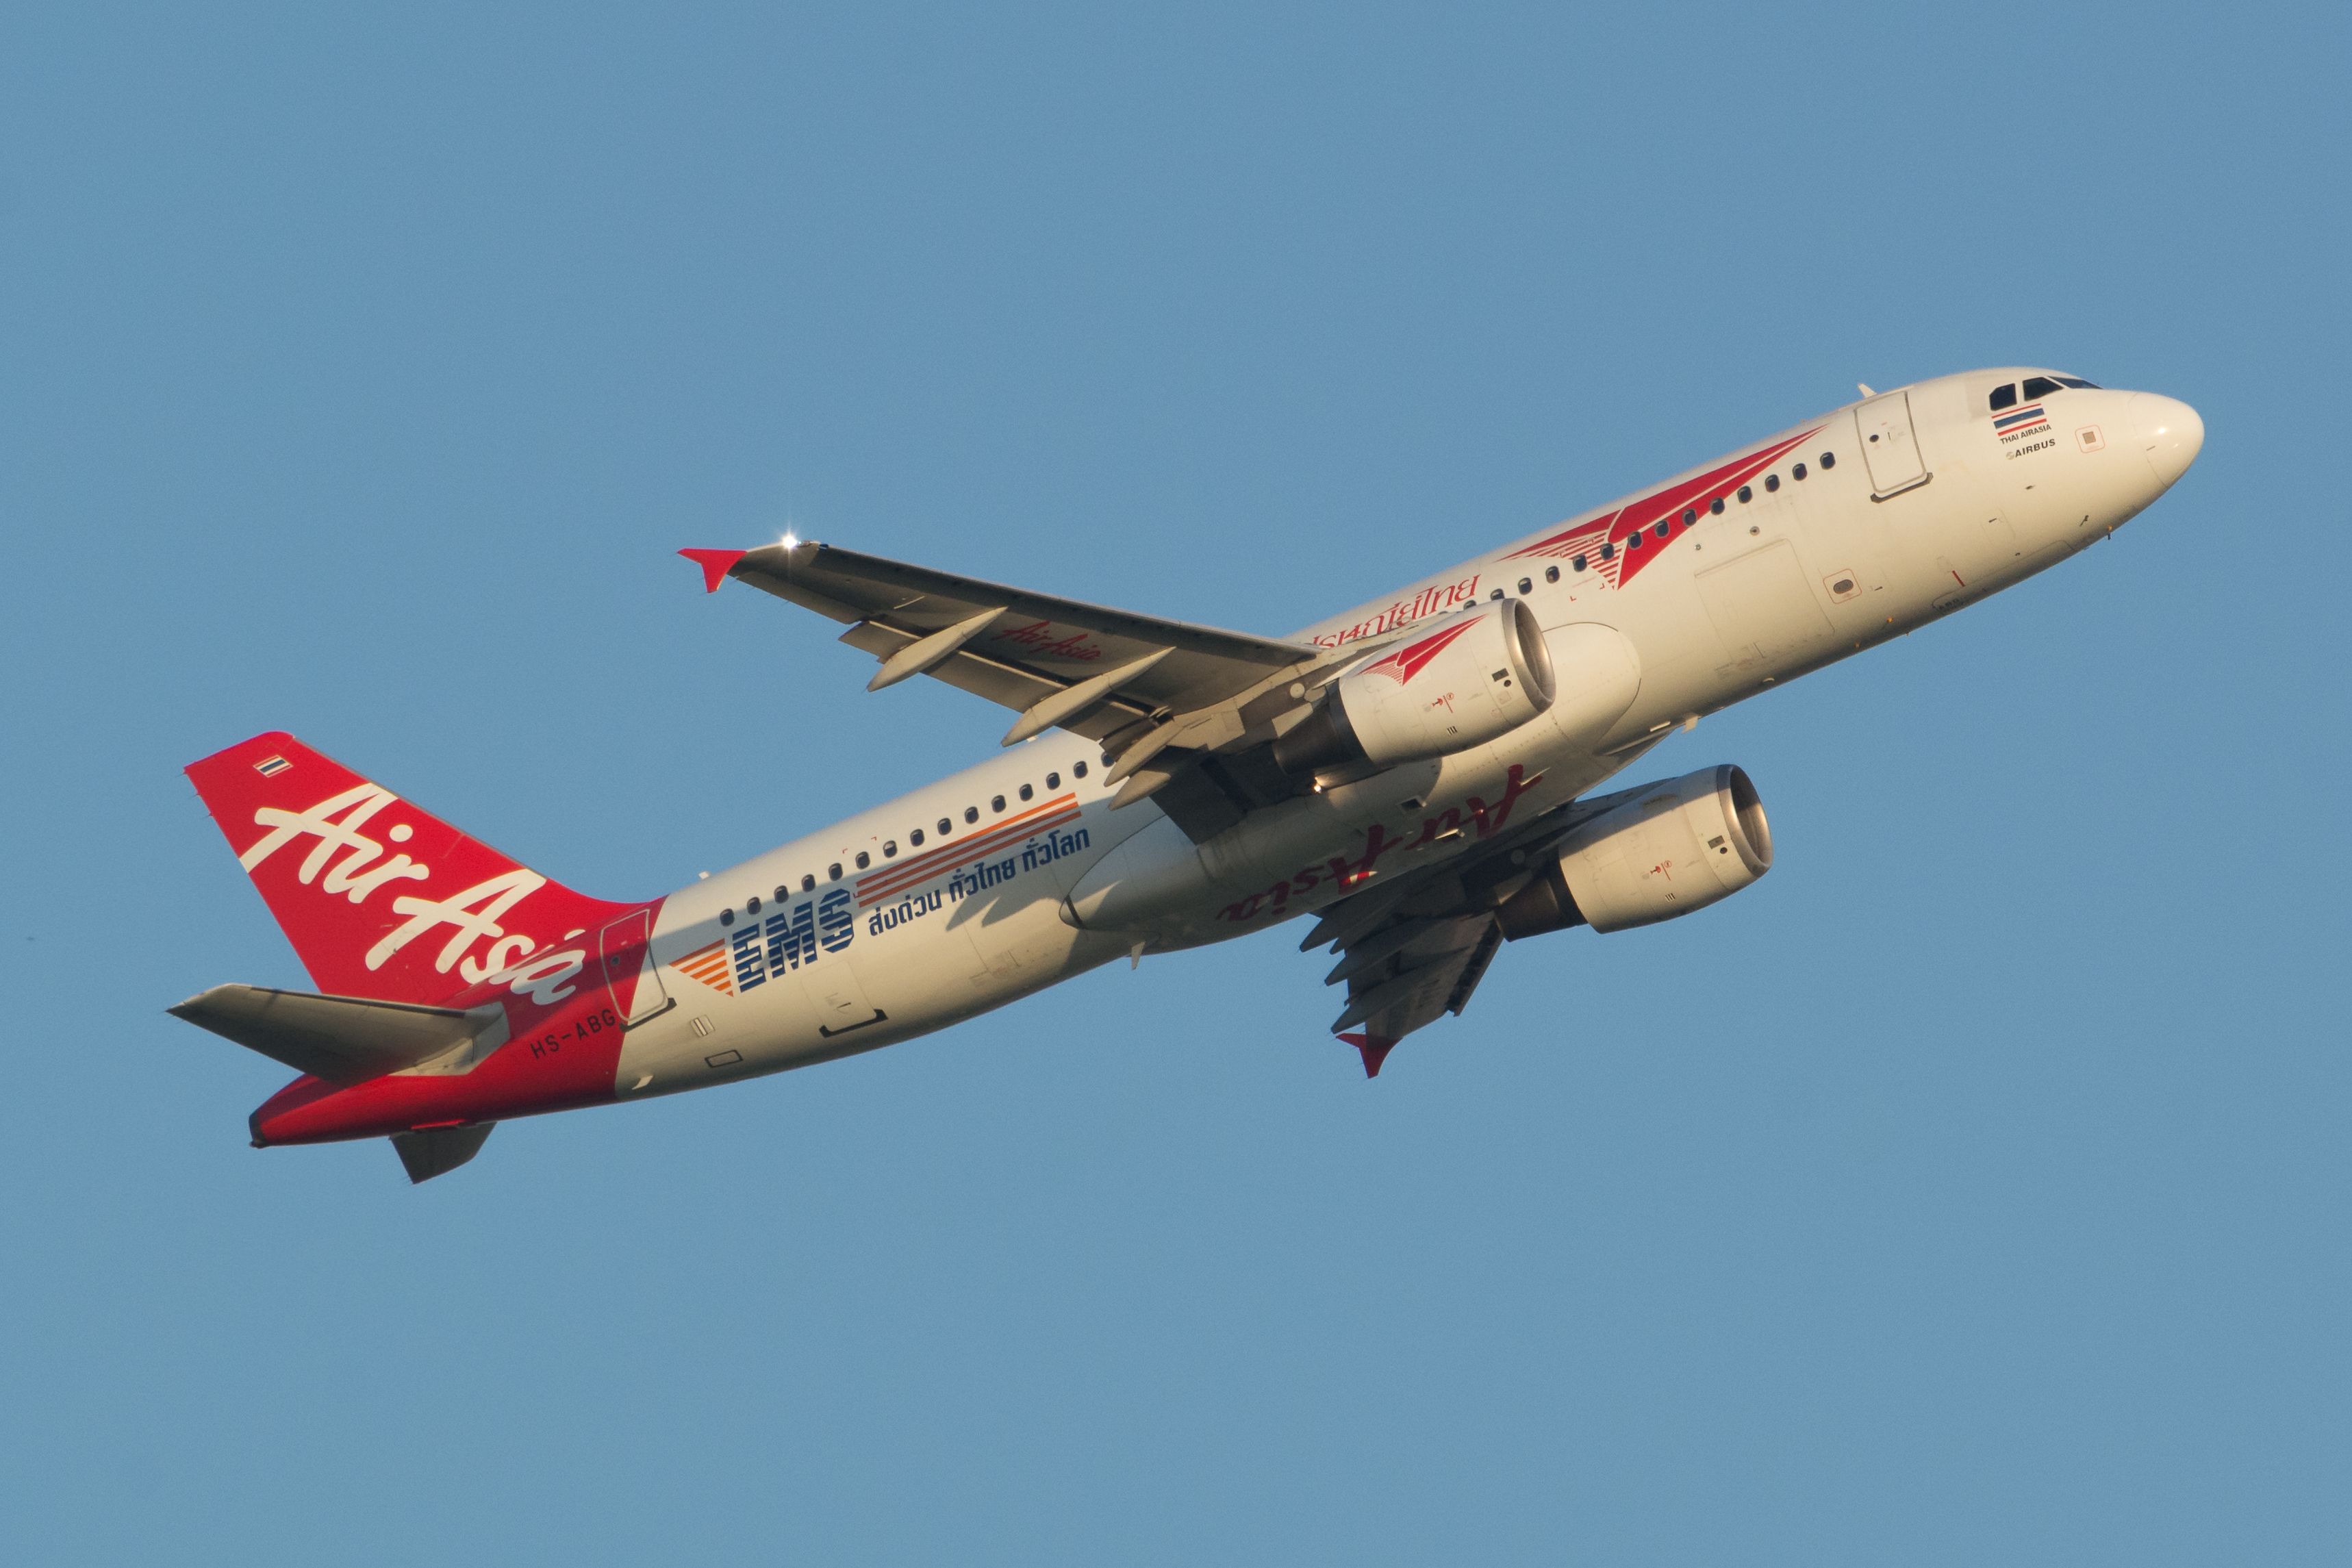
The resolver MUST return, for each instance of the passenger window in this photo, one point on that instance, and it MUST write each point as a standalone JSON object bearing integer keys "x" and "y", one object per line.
{"x": 1495, "y": 595}
{"x": 1746, "y": 494}
{"x": 1080, "y": 769}
{"x": 1053, "y": 781}
{"x": 915, "y": 839}
{"x": 727, "y": 917}
{"x": 1577, "y": 564}
{"x": 889, "y": 847}
{"x": 1551, "y": 574}
{"x": 1771, "y": 481}
{"x": 997, "y": 803}
{"x": 1829, "y": 461}
{"x": 1798, "y": 472}
{"x": 784, "y": 891}
{"x": 1607, "y": 551}
{"x": 2039, "y": 386}
{"x": 1665, "y": 526}
{"x": 1526, "y": 586}
{"x": 947, "y": 825}
{"x": 753, "y": 907}
{"x": 1634, "y": 540}
{"x": 2004, "y": 397}
{"x": 833, "y": 872}
{"x": 808, "y": 884}
{"x": 971, "y": 814}
{"x": 1716, "y": 506}
{"x": 1027, "y": 793}
{"x": 1690, "y": 515}
{"x": 864, "y": 860}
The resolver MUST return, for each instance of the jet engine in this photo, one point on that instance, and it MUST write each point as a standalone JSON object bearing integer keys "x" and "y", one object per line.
{"x": 1477, "y": 677}
{"x": 1673, "y": 846}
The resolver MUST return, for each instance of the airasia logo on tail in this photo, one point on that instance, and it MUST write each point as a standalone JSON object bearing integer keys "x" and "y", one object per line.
{"x": 355, "y": 806}
{"x": 334, "y": 826}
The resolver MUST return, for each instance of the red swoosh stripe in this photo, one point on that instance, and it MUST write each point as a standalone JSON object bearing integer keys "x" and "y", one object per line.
{"x": 1407, "y": 662}
{"x": 1658, "y": 505}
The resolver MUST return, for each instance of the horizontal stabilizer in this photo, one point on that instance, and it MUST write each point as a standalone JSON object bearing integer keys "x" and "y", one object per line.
{"x": 342, "y": 1040}
{"x": 437, "y": 1151}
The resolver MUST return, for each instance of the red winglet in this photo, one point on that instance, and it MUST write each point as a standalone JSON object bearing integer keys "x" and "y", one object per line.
{"x": 1375, "y": 1051}
{"x": 715, "y": 565}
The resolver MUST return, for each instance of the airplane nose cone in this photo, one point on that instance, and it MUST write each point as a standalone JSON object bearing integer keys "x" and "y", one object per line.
{"x": 2171, "y": 432}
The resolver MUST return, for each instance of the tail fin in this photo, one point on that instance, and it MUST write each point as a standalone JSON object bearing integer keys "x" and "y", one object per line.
{"x": 379, "y": 899}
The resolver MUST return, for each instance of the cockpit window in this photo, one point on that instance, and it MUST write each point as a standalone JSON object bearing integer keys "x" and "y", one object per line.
{"x": 2039, "y": 386}
{"x": 2004, "y": 397}
{"x": 2078, "y": 381}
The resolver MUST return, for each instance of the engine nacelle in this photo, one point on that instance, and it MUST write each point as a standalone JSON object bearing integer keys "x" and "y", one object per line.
{"x": 1677, "y": 845}
{"x": 1477, "y": 677}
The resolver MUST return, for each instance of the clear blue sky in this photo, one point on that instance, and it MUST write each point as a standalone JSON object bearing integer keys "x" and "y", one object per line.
{"x": 1973, "y": 1190}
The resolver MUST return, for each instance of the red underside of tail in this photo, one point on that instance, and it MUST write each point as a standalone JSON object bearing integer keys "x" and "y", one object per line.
{"x": 514, "y": 1082}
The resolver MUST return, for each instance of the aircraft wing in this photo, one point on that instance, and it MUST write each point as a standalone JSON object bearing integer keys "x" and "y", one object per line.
{"x": 1162, "y": 695}
{"x": 1411, "y": 973}
{"x": 1015, "y": 646}
{"x": 1413, "y": 950}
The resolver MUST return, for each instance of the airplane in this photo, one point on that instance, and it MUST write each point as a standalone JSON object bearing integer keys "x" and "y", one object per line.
{"x": 1416, "y": 776}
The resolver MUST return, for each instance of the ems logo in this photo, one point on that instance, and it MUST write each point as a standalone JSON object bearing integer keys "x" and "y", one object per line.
{"x": 791, "y": 939}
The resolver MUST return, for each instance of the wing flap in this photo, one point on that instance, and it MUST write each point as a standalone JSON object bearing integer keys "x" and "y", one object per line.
{"x": 926, "y": 654}
{"x": 1415, "y": 985}
{"x": 987, "y": 679}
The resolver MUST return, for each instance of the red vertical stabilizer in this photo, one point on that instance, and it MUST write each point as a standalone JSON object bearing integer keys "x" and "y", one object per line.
{"x": 382, "y": 900}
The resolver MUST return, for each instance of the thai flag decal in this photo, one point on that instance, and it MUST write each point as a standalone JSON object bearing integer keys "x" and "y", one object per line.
{"x": 2017, "y": 421}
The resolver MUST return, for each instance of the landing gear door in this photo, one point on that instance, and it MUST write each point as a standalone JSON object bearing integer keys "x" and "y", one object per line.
{"x": 1890, "y": 449}
{"x": 632, "y": 978}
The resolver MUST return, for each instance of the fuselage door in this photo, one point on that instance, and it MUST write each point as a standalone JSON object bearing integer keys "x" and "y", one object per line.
{"x": 1889, "y": 447}
{"x": 631, "y": 976}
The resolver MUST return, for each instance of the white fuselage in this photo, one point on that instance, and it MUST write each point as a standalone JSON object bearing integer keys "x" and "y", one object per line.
{"x": 1036, "y": 879}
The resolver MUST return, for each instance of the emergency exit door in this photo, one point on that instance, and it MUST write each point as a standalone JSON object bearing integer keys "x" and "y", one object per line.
{"x": 1890, "y": 449}
{"x": 632, "y": 978}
